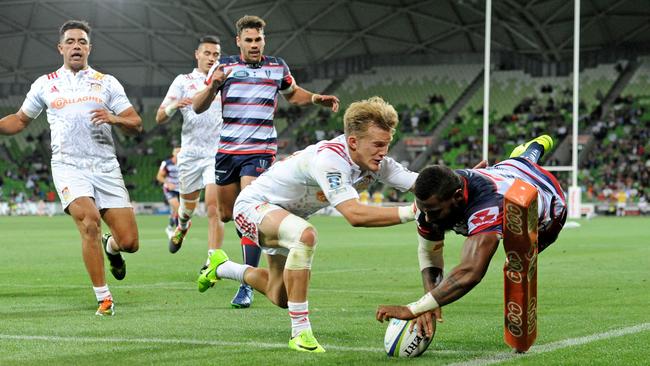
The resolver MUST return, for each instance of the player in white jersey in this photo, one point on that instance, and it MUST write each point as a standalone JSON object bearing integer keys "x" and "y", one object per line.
{"x": 82, "y": 104}
{"x": 272, "y": 211}
{"x": 249, "y": 84}
{"x": 199, "y": 142}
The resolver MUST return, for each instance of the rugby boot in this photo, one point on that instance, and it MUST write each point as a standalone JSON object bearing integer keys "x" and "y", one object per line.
{"x": 243, "y": 298}
{"x": 305, "y": 342}
{"x": 209, "y": 277}
{"x": 545, "y": 140}
{"x": 176, "y": 240}
{"x": 106, "y": 307}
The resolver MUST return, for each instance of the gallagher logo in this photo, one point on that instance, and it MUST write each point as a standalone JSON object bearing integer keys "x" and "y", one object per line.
{"x": 59, "y": 103}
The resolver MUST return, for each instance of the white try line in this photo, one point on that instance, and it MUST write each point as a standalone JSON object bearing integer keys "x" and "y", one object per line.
{"x": 553, "y": 346}
{"x": 195, "y": 342}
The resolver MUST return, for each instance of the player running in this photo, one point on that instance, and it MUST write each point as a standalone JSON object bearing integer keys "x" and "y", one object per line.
{"x": 167, "y": 176}
{"x": 82, "y": 105}
{"x": 199, "y": 138}
{"x": 470, "y": 202}
{"x": 249, "y": 86}
{"x": 272, "y": 211}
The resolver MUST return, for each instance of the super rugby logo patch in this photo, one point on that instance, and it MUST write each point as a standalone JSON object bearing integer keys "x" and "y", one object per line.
{"x": 334, "y": 180}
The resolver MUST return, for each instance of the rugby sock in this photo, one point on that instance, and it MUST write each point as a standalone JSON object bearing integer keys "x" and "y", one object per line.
{"x": 299, "y": 314}
{"x": 172, "y": 221}
{"x": 232, "y": 271}
{"x": 251, "y": 254}
{"x": 184, "y": 213}
{"x": 534, "y": 152}
{"x": 109, "y": 247}
{"x": 102, "y": 292}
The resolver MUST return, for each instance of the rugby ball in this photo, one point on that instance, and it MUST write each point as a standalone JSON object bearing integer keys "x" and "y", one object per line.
{"x": 399, "y": 342}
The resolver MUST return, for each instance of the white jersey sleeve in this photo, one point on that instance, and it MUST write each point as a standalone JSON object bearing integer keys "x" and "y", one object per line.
{"x": 117, "y": 102}
{"x": 396, "y": 175}
{"x": 175, "y": 92}
{"x": 334, "y": 176}
{"x": 34, "y": 101}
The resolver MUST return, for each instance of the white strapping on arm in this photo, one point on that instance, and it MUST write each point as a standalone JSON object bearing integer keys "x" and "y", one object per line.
{"x": 430, "y": 253}
{"x": 424, "y": 304}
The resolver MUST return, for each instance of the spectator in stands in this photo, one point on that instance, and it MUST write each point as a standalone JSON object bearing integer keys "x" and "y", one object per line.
{"x": 84, "y": 167}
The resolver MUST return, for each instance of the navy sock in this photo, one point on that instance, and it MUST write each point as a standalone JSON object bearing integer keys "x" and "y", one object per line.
{"x": 534, "y": 152}
{"x": 250, "y": 253}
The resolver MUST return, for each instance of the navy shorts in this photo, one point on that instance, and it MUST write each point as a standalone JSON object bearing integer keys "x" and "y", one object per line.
{"x": 228, "y": 168}
{"x": 170, "y": 194}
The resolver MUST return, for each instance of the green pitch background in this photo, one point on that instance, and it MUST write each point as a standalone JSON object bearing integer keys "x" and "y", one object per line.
{"x": 594, "y": 280}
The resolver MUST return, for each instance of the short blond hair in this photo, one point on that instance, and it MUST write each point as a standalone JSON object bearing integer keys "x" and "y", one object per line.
{"x": 372, "y": 111}
{"x": 250, "y": 22}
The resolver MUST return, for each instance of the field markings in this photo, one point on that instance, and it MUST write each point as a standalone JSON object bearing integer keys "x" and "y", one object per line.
{"x": 553, "y": 346}
{"x": 195, "y": 342}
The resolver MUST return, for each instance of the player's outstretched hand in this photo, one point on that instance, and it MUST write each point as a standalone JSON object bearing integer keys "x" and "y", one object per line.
{"x": 385, "y": 312}
{"x": 218, "y": 77}
{"x": 331, "y": 101}
{"x": 101, "y": 116}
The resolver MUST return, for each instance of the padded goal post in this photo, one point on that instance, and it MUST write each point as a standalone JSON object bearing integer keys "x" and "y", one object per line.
{"x": 520, "y": 270}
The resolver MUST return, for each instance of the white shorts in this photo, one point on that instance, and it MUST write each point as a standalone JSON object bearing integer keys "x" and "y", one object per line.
{"x": 194, "y": 172}
{"x": 248, "y": 214}
{"x": 107, "y": 188}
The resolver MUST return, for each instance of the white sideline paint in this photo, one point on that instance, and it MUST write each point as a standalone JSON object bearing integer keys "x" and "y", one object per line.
{"x": 197, "y": 342}
{"x": 550, "y": 347}
{"x": 495, "y": 358}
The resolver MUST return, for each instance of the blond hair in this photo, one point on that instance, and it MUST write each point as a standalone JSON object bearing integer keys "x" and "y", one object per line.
{"x": 250, "y": 22}
{"x": 372, "y": 111}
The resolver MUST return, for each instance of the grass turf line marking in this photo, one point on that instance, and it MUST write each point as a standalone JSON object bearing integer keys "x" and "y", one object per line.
{"x": 553, "y": 346}
{"x": 197, "y": 342}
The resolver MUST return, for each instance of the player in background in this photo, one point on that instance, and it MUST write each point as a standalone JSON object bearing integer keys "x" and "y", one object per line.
{"x": 272, "y": 211}
{"x": 199, "y": 139}
{"x": 470, "y": 202}
{"x": 249, "y": 84}
{"x": 82, "y": 105}
{"x": 168, "y": 177}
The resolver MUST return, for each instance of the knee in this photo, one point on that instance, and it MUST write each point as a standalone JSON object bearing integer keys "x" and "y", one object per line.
{"x": 129, "y": 243}
{"x": 90, "y": 226}
{"x": 225, "y": 214}
{"x": 309, "y": 237}
{"x": 212, "y": 211}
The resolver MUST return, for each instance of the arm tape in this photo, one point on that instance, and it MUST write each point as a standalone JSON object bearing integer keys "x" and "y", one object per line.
{"x": 430, "y": 253}
{"x": 424, "y": 304}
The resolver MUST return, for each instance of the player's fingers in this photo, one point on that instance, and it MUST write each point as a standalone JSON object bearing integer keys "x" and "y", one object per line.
{"x": 335, "y": 106}
{"x": 438, "y": 314}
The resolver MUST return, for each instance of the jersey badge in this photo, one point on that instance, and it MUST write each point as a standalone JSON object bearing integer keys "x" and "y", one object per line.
{"x": 334, "y": 180}
{"x": 483, "y": 217}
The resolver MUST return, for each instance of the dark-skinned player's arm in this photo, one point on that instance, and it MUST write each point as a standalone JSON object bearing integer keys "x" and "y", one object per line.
{"x": 477, "y": 253}
{"x": 431, "y": 268}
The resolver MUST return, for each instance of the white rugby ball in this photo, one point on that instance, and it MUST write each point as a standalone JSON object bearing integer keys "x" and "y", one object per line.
{"x": 400, "y": 342}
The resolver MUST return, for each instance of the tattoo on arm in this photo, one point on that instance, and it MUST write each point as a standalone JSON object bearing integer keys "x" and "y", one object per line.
{"x": 450, "y": 289}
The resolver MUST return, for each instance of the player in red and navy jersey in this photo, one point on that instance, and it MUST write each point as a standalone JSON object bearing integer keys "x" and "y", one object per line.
{"x": 249, "y": 84}
{"x": 470, "y": 202}
{"x": 167, "y": 176}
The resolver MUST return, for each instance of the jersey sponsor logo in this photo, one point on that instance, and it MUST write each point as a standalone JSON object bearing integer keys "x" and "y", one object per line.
{"x": 241, "y": 74}
{"x": 483, "y": 217}
{"x": 334, "y": 180}
{"x": 59, "y": 103}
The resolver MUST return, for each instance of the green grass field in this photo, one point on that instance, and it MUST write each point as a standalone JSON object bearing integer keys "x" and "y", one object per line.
{"x": 594, "y": 301}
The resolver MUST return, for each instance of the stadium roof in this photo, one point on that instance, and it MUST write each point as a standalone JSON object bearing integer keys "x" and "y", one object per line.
{"x": 148, "y": 42}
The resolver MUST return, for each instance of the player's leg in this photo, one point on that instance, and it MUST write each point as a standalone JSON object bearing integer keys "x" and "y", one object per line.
{"x": 174, "y": 203}
{"x": 534, "y": 149}
{"x": 76, "y": 192}
{"x": 123, "y": 237}
{"x": 87, "y": 218}
{"x": 186, "y": 207}
{"x": 215, "y": 225}
{"x": 251, "y": 167}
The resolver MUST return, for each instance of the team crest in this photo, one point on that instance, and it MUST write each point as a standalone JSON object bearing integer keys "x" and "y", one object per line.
{"x": 95, "y": 87}
{"x": 65, "y": 193}
{"x": 268, "y": 74}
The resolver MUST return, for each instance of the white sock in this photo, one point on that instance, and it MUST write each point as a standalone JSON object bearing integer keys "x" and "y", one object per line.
{"x": 210, "y": 251}
{"x": 184, "y": 213}
{"x": 232, "y": 271}
{"x": 109, "y": 247}
{"x": 299, "y": 314}
{"x": 102, "y": 292}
